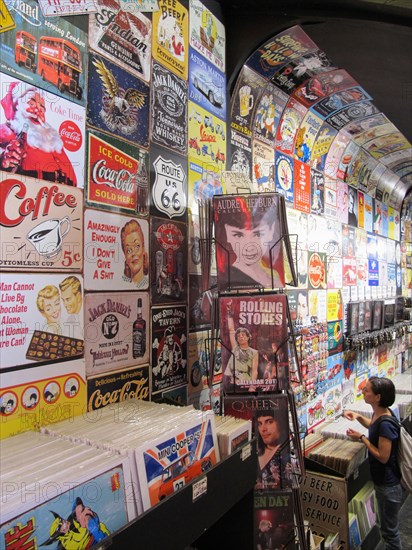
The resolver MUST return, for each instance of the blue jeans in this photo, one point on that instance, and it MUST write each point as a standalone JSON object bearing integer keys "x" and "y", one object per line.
{"x": 389, "y": 502}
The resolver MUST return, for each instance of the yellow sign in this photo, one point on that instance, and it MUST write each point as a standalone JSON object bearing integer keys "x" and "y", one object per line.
{"x": 6, "y": 20}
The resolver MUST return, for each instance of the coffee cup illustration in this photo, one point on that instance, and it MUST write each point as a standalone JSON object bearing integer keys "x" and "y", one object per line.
{"x": 246, "y": 100}
{"x": 47, "y": 237}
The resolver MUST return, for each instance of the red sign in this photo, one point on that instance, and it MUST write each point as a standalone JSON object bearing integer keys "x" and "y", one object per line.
{"x": 112, "y": 175}
{"x": 302, "y": 187}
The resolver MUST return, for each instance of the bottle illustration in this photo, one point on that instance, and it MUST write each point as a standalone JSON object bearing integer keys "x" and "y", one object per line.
{"x": 21, "y": 139}
{"x": 139, "y": 333}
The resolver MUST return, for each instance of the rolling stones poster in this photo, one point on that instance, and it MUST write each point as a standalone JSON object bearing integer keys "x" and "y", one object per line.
{"x": 207, "y": 34}
{"x": 168, "y": 182}
{"x": 267, "y": 114}
{"x": 168, "y": 261}
{"x": 112, "y": 341}
{"x": 169, "y": 110}
{"x": 33, "y": 397}
{"x": 41, "y": 318}
{"x": 207, "y": 85}
{"x": 30, "y": 49}
{"x": 53, "y": 137}
{"x": 48, "y": 235}
{"x": 116, "y": 254}
{"x": 118, "y": 103}
{"x": 169, "y": 347}
{"x": 171, "y": 37}
{"x": 118, "y": 175}
{"x": 123, "y": 37}
{"x": 254, "y": 343}
{"x": 248, "y": 90}
{"x": 279, "y": 50}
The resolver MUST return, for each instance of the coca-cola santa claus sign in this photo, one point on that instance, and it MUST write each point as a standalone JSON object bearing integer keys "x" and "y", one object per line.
{"x": 41, "y": 134}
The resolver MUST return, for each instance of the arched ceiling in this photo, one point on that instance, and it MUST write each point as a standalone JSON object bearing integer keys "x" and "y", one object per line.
{"x": 372, "y": 41}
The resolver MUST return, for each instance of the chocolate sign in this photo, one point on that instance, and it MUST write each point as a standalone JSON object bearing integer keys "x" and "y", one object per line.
{"x": 41, "y": 225}
{"x": 41, "y": 318}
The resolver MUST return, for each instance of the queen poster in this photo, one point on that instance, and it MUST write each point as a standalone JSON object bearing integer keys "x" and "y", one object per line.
{"x": 248, "y": 235}
{"x": 254, "y": 342}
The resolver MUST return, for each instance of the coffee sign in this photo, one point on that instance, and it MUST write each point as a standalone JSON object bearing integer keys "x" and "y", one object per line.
{"x": 41, "y": 225}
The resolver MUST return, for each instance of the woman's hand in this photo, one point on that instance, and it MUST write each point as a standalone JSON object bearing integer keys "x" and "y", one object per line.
{"x": 354, "y": 435}
{"x": 350, "y": 415}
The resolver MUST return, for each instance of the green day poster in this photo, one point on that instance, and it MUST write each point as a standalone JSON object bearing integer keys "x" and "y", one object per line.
{"x": 47, "y": 52}
{"x": 91, "y": 510}
{"x": 279, "y": 50}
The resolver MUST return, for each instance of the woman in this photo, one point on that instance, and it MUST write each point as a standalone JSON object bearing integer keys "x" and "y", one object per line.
{"x": 136, "y": 264}
{"x": 49, "y": 304}
{"x": 382, "y": 445}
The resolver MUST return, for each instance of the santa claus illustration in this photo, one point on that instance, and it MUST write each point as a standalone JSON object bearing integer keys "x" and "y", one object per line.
{"x": 28, "y": 144}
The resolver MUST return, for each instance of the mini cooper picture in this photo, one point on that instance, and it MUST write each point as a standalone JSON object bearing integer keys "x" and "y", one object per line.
{"x": 182, "y": 472}
{"x": 213, "y": 93}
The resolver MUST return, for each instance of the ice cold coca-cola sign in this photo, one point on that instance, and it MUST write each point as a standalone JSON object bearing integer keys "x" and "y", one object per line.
{"x": 112, "y": 177}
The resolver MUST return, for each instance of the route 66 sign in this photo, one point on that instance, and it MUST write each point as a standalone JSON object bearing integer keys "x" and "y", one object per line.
{"x": 169, "y": 188}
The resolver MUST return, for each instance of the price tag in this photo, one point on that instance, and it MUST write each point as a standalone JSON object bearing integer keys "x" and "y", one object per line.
{"x": 246, "y": 452}
{"x": 51, "y": 8}
{"x": 199, "y": 488}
